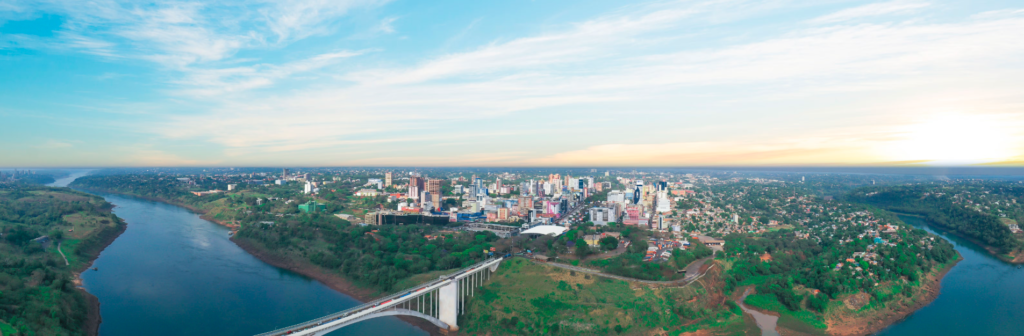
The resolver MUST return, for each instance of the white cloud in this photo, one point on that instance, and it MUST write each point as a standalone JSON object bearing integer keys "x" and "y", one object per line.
{"x": 689, "y": 82}
{"x": 211, "y": 82}
{"x": 589, "y": 65}
{"x": 387, "y": 25}
{"x": 300, "y": 19}
{"x": 871, "y": 10}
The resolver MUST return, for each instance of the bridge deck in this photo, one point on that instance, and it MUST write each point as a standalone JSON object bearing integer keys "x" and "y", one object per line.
{"x": 380, "y": 304}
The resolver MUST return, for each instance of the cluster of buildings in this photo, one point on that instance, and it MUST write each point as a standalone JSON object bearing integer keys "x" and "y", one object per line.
{"x": 532, "y": 202}
{"x": 14, "y": 175}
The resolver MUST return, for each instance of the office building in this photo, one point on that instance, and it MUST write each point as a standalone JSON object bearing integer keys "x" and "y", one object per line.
{"x": 601, "y": 216}
{"x": 387, "y": 179}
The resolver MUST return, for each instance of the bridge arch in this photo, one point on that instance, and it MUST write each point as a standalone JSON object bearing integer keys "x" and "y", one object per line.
{"x": 383, "y": 313}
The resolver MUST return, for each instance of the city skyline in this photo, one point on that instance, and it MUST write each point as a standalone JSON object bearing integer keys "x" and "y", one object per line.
{"x": 574, "y": 83}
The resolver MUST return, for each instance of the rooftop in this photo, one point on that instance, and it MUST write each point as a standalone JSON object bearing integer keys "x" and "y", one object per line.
{"x": 553, "y": 230}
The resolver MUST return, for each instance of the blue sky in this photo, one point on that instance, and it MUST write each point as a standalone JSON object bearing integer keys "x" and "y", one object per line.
{"x": 510, "y": 83}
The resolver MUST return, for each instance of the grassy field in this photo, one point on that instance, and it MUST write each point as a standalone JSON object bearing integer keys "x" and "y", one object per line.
{"x": 528, "y": 298}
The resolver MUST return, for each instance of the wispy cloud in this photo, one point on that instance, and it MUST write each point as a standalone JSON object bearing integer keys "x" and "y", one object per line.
{"x": 588, "y": 64}
{"x": 387, "y": 25}
{"x": 300, "y": 19}
{"x": 871, "y": 10}
{"x": 666, "y": 82}
{"x": 211, "y": 82}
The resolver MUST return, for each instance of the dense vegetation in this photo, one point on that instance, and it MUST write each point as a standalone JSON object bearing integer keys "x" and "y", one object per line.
{"x": 808, "y": 265}
{"x": 940, "y": 209}
{"x": 37, "y": 294}
{"x": 377, "y": 256}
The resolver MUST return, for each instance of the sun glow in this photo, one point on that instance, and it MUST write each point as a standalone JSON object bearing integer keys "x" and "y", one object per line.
{"x": 954, "y": 139}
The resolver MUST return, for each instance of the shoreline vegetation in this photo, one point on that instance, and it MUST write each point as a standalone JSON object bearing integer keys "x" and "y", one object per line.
{"x": 334, "y": 281}
{"x": 956, "y": 209}
{"x": 879, "y": 319}
{"x": 874, "y": 321}
{"x": 83, "y": 225}
{"x": 856, "y": 325}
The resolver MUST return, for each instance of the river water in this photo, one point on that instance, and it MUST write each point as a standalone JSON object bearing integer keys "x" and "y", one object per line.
{"x": 981, "y": 295}
{"x": 173, "y": 273}
{"x": 764, "y": 321}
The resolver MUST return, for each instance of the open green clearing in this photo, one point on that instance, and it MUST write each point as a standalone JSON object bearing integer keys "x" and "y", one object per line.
{"x": 528, "y": 298}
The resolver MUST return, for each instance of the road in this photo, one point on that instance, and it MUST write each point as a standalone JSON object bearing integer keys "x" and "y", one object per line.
{"x": 570, "y": 213}
{"x": 62, "y": 255}
{"x": 691, "y": 273}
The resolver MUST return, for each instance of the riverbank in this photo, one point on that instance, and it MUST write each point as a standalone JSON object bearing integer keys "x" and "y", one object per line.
{"x": 1015, "y": 257}
{"x": 202, "y": 213}
{"x": 881, "y": 319}
{"x": 331, "y": 280}
{"x": 92, "y": 250}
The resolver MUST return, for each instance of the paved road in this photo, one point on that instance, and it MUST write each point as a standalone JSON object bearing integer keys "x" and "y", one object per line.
{"x": 570, "y": 213}
{"x": 691, "y": 273}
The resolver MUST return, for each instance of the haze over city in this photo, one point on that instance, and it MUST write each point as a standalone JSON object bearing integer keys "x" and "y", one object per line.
{"x": 513, "y": 83}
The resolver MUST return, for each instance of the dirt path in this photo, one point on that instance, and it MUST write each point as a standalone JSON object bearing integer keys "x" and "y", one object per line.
{"x": 696, "y": 265}
{"x": 66, "y": 263}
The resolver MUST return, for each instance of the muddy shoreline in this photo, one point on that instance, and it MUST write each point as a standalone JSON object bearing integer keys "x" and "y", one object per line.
{"x": 886, "y": 317}
{"x": 93, "y": 317}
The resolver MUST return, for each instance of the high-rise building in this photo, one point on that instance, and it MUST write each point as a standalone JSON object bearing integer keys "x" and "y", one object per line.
{"x": 663, "y": 204}
{"x": 616, "y": 196}
{"x": 387, "y": 179}
{"x": 284, "y": 175}
{"x": 434, "y": 186}
{"x": 525, "y": 205}
{"x": 417, "y": 183}
{"x": 638, "y": 192}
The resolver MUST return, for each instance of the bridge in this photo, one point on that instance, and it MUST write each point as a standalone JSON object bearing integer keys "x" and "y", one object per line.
{"x": 439, "y": 302}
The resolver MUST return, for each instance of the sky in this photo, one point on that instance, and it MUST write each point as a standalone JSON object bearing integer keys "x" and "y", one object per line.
{"x": 511, "y": 83}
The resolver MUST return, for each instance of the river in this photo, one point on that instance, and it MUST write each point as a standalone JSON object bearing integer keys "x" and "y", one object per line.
{"x": 981, "y": 295}
{"x": 765, "y": 322}
{"x": 173, "y": 273}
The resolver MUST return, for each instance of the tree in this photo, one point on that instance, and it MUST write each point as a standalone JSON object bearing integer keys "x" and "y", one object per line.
{"x": 609, "y": 243}
{"x": 582, "y": 250}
